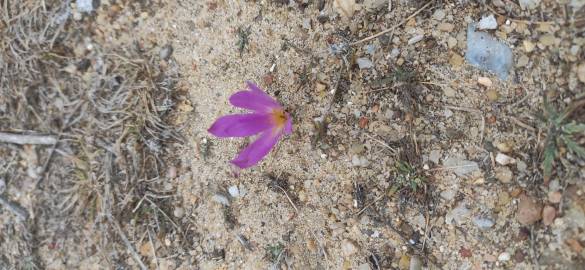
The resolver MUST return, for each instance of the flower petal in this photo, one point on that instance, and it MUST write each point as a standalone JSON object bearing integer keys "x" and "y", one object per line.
{"x": 255, "y": 99}
{"x": 257, "y": 150}
{"x": 288, "y": 125}
{"x": 240, "y": 125}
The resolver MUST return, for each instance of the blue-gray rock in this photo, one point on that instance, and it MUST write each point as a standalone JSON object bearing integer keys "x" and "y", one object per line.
{"x": 487, "y": 53}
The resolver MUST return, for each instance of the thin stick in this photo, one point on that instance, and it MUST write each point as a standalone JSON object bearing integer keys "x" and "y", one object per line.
{"x": 289, "y": 200}
{"x": 471, "y": 110}
{"x": 16, "y": 209}
{"x": 129, "y": 245}
{"x": 27, "y": 139}
{"x": 382, "y": 143}
{"x": 453, "y": 167}
{"x": 370, "y": 204}
{"x": 393, "y": 27}
{"x": 521, "y": 124}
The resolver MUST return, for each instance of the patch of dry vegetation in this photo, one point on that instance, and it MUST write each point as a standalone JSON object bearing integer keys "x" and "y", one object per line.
{"x": 108, "y": 109}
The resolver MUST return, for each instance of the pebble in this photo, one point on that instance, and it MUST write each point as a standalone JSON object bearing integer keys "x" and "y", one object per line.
{"x": 548, "y": 215}
{"x": 166, "y": 52}
{"x": 483, "y": 223}
{"x": 358, "y": 161}
{"x": 234, "y": 191}
{"x": 439, "y": 15}
{"x": 461, "y": 167}
{"x": 86, "y": 5}
{"x": 458, "y": 214}
{"x": 504, "y": 159}
{"x": 529, "y": 210}
{"x": 446, "y": 27}
{"x": 448, "y": 91}
{"x": 451, "y": 42}
{"x": 404, "y": 262}
{"x": 348, "y": 247}
{"x": 434, "y": 156}
{"x": 221, "y": 199}
{"x": 522, "y": 61}
{"x": 581, "y": 72}
{"x": 179, "y": 212}
{"x": 492, "y": 95}
{"x": 456, "y": 60}
{"x": 504, "y": 256}
{"x": 504, "y": 174}
{"x": 364, "y": 63}
{"x": 554, "y": 197}
{"x": 547, "y": 39}
{"x": 363, "y": 266}
{"x": 528, "y": 46}
{"x": 528, "y": 4}
{"x": 488, "y": 22}
{"x": 449, "y": 194}
{"x": 485, "y": 81}
{"x": 521, "y": 166}
{"x": 415, "y": 263}
{"x": 415, "y": 39}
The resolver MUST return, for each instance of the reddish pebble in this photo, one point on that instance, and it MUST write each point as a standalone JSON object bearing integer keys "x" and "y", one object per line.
{"x": 268, "y": 79}
{"x": 465, "y": 253}
{"x": 548, "y": 215}
{"x": 363, "y": 122}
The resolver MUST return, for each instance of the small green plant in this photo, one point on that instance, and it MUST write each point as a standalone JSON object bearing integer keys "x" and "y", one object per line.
{"x": 560, "y": 131}
{"x": 407, "y": 177}
{"x": 243, "y": 34}
{"x": 274, "y": 252}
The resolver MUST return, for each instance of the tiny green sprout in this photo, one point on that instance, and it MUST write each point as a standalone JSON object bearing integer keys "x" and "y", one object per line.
{"x": 407, "y": 176}
{"x": 560, "y": 130}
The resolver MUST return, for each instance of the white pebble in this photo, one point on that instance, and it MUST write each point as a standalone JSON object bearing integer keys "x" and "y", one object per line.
{"x": 234, "y": 191}
{"x": 505, "y": 256}
{"x": 488, "y": 22}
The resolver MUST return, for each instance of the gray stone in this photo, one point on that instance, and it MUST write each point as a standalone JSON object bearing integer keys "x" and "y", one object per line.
{"x": 364, "y": 63}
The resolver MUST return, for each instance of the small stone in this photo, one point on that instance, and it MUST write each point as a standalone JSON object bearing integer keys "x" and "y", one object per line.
{"x": 448, "y": 91}
{"x": 451, "y": 42}
{"x": 434, "y": 156}
{"x": 529, "y": 210}
{"x": 522, "y": 61}
{"x": 483, "y": 223}
{"x": 492, "y": 95}
{"x": 528, "y": 46}
{"x": 574, "y": 245}
{"x": 363, "y": 266}
{"x": 446, "y": 27}
{"x": 461, "y": 167}
{"x": 320, "y": 87}
{"x": 166, "y": 52}
{"x": 346, "y": 8}
{"x": 221, "y": 199}
{"x": 490, "y": 258}
{"x": 357, "y": 148}
{"x": 548, "y": 215}
{"x": 87, "y": 5}
{"x": 364, "y": 63}
{"x": 439, "y": 15}
{"x": 503, "y": 199}
{"x": 465, "y": 252}
{"x": 348, "y": 247}
{"x": 504, "y": 256}
{"x": 581, "y": 72}
{"x": 504, "y": 147}
{"x": 485, "y": 81}
{"x": 415, "y": 263}
{"x": 404, "y": 262}
{"x": 521, "y": 166}
{"x": 547, "y": 39}
{"x": 519, "y": 256}
{"x": 504, "y": 159}
{"x": 234, "y": 191}
{"x": 179, "y": 212}
{"x": 488, "y": 22}
{"x": 415, "y": 39}
{"x": 458, "y": 214}
{"x": 554, "y": 197}
{"x": 528, "y": 4}
{"x": 504, "y": 174}
{"x": 456, "y": 60}
{"x": 449, "y": 194}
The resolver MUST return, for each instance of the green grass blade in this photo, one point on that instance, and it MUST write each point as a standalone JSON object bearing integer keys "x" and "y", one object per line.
{"x": 549, "y": 156}
{"x": 573, "y": 146}
{"x": 572, "y": 128}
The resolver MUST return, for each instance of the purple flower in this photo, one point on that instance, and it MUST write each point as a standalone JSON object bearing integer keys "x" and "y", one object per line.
{"x": 267, "y": 118}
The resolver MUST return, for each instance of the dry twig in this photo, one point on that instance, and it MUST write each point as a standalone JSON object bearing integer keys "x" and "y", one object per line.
{"x": 6, "y": 137}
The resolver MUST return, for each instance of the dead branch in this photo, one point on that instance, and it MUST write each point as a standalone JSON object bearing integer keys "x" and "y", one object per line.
{"x": 27, "y": 139}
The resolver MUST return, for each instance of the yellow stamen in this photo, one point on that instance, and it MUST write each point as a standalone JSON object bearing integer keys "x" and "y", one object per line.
{"x": 278, "y": 118}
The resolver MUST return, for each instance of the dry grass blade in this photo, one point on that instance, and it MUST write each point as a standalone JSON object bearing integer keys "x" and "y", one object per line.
{"x": 26, "y": 139}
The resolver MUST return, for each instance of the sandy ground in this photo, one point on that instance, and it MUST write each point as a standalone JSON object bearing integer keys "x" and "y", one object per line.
{"x": 336, "y": 197}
